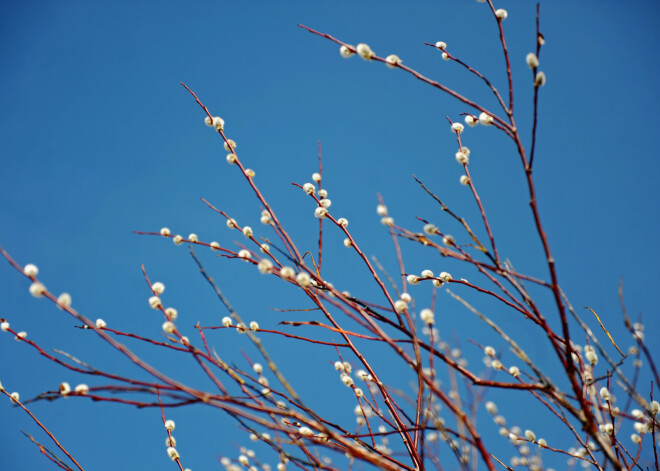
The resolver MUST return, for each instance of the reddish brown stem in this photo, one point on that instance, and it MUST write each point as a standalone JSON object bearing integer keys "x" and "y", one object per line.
{"x": 43, "y": 427}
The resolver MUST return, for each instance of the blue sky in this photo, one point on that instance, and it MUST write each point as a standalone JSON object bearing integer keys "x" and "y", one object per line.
{"x": 98, "y": 139}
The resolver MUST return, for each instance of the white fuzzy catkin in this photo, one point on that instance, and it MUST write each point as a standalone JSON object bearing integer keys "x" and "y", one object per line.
{"x": 364, "y": 51}
{"x": 532, "y": 60}
{"x": 346, "y": 51}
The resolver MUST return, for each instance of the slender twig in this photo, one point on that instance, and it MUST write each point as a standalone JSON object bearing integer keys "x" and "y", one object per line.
{"x": 478, "y": 74}
{"x": 478, "y": 200}
{"x": 419, "y": 76}
{"x": 318, "y": 267}
{"x": 42, "y": 426}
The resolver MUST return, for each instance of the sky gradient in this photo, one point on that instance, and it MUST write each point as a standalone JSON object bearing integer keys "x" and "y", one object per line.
{"x": 99, "y": 139}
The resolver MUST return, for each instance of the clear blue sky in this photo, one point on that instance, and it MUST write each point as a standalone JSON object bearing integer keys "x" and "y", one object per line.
{"x": 97, "y": 139}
